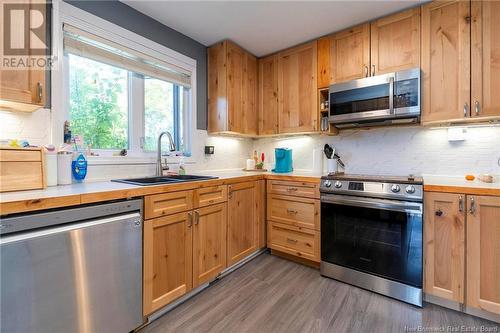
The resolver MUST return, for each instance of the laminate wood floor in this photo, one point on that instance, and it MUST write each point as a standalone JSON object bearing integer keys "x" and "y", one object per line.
{"x": 270, "y": 294}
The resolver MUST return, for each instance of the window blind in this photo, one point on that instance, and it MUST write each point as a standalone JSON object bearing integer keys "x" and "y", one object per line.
{"x": 85, "y": 44}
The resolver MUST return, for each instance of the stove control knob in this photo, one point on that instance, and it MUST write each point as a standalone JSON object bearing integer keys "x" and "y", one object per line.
{"x": 338, "y": 184}
{"x": 410, "y": 189}
{"x": 395, "y": 188}
{"x": 328, "y": 183}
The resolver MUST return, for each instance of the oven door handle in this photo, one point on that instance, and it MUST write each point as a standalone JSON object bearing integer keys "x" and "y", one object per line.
{"x": 398, "y": 206}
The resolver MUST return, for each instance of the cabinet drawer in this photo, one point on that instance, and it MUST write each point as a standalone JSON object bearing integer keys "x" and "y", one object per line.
{"x": 210, "y": 195}
{"x": 294, "y": 240}
{"x": 17, "y": 176}
{"x": 298, "y": 189}
{"x": 300, "y": 212}
{"x": 167, "y": 203}
{"x": 12, "y": 155}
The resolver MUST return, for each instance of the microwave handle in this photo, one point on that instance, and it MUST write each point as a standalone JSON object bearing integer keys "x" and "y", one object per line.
{"x": 391, "y": 95}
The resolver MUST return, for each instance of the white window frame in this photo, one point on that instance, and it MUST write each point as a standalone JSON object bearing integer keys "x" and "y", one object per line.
{"x": 66, "y": 13}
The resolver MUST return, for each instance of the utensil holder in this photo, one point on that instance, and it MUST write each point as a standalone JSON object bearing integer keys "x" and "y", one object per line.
{"x": 332, "y": 166}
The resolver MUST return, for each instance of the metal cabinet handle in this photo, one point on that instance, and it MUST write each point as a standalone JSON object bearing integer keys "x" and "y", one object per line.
{"x": 373, "y": 70}
{"x": 466, "y": 109}
{"x": 472, "y": 209}
{"x": 290, "y": 240}
{"x": 292, "y": 189}
{"x": 39, "y": 91}
{"x": 366, "y": 71}
{"x": 477, "y": 108}
{"x": 190, "y": 219}
{"x": 196, "y": 217}
{"x": 291, "y": 211}
{"x": 461, "y": 204}
{"x": 439, "y": 212}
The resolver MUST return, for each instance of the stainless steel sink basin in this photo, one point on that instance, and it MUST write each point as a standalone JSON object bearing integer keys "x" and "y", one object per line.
{"x": 162, "y": 180}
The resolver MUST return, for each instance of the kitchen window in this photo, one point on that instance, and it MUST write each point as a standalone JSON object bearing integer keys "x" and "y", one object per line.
{"x": 121, "y": 98}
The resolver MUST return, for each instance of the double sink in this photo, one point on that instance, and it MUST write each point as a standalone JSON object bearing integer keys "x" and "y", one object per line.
{"x": 163, "y": 180}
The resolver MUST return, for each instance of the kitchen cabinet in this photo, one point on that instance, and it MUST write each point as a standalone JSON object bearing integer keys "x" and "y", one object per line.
{"x": 268, "y": 95}
{"x": 303, "y": 212}
{"x": 232, "y": 90}
{"x": 242, "y": 221}
{"x": 483, "y": 253}
{"x": 324, "y": 63}
{"x": 293, "y": 240}
{"x": 298, "y": 111}
{"x": 168, "y": 259}
{"x": 26, "y": 89}
{"x": 395, "y": 42}
{"x": 485, "y": 59}
{"x": 444, "y": 245}
{"x": 209, "y": 243}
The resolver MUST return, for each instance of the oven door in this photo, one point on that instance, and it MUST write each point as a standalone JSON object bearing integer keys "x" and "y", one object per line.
{"x": 376, "y": 236}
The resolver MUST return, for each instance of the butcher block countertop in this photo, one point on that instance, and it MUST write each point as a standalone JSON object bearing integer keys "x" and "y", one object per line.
{"x": 92, "y": 192}
{"x": 461, "y": 185}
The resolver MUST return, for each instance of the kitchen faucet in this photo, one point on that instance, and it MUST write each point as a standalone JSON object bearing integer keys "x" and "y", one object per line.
{"x": 159, "y": 166}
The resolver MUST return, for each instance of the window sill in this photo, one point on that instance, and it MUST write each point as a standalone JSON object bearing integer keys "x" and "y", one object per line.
{"x": 132, "y": 160}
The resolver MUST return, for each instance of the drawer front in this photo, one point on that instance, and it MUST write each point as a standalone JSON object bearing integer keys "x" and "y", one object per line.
{"x": 17, "y": 176}
{"x": 297, "y": 241}
{"x": 300, "y": 212}
{"x": 298, "y": 189}
{"x": 210, "y": 195}
{"x": 167, "y": 203}
{"x": 7, "y": 155}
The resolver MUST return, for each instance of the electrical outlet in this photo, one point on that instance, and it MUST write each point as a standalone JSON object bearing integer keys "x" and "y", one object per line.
{"x": 209, "y": 150}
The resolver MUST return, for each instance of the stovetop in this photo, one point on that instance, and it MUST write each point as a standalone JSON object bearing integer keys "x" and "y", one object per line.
{"x": 386, "y": 187}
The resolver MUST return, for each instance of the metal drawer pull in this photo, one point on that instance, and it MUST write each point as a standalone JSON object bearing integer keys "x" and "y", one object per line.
{"x": 478, "y": 108}
{"x": 366, "y": 71}
{"x": 190, "y": 219}
{"x": 472, "y": 209}
{"x": 292, "y": 189}
{"x": 290, "y": 240}
{"x": 373, "y": 70}
{"x": 460, "y": 203}
{"x": 291, "y": 211}
{"x": 39, "y": 91}
{"x": 466, "y": 109}
{"x": 196, "y": 217}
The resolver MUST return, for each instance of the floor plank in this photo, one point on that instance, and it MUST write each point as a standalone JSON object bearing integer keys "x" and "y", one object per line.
{"x": 271, "y": 294}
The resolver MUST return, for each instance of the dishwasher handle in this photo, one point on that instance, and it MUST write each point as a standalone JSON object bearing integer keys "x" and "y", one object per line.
{"x": 131, "y": 217}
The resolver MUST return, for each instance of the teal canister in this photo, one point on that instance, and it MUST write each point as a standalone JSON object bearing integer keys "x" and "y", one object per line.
{"x": 283, "y": 158}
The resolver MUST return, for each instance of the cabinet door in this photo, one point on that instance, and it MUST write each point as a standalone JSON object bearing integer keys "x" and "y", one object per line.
{"x": 235, "y": 76}
{"x": 298, "y": 110}
{"x": 242, "y": 222}
{"x": 324, "y": 72}
{"x": 249, "y": 121}
{"x": 350, "y": 54}
{"x": 445, "y": 61}
{"x": 209, "y": 243}
{"x": 395, "y": 42}
{"x": 268, "y": 95}
{"x": 485, "y": 60}
{"x": 444, "y": 237}
{"x": 167, "y": 260}
{"x": 217, "y": 88}
{"x": 483, "y": 253}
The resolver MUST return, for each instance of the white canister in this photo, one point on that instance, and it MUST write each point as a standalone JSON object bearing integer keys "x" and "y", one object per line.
{"x": 64, "y": 159}
{"x": 250, "y": 164}
{"x": 318, "y": 160}
{"x": 51, "y": 168}
{"x": 332, "y": 165}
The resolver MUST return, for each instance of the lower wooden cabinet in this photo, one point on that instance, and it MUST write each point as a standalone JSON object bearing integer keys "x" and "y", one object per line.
{"x": 466, "y": 274}
{"x": 168, "y": 246}
{"x": 209, "y": 243}
{"x": 483, "y": 253}
{"x": 297, "y": 241}
{"x": 444, "y": 245}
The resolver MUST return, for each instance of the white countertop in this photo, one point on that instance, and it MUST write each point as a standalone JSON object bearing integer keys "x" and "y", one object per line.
{"x": 460, "y": 181}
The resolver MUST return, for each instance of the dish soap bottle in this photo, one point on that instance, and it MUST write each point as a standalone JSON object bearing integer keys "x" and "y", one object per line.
{"x": 79, "y": 167}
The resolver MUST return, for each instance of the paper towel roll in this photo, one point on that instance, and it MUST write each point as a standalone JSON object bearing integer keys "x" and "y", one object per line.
{"x": 318, "y": 160}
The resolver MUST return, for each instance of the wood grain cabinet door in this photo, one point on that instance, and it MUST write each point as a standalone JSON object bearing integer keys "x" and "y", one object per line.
{"x": 444, "y": 241}
{"x": 350, "y": 54}
{"x": 485, "y": 69}
{"x": 242, "y": 221}
{"x": 268, "y": 95}
{"x": 395, "y": 42}
{"x": 209, "y": 243}
{"x": 298, "y": 110}
{"x": 445, "y": 61}
{"x": 235, "y": 76}
{"x": 168, "y": 258}
{"x": 483, "y": 253}
{"x": 250, "y": 101}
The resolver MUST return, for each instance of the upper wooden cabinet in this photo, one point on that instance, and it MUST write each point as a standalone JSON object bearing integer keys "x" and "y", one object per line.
{"x": 268, "y": 95}
{"x": 485, "y": 59}
{"x": 232, "y": 90}
{"x": 444, "y": 245}
{"x": 483, "y": 253}
{"x": 445, "y": 60}
{"x": 395, "y": 42}
{"x": 297, "y": 88}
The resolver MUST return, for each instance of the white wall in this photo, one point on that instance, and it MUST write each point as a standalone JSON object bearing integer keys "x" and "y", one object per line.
{"x": 399, "y": 151}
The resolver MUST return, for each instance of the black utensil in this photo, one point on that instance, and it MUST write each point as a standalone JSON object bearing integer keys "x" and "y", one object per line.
{"x": 328, "y": 151}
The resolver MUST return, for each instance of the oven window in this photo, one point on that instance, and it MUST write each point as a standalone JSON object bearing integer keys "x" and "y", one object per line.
{"x": 360, "y": 100}
{"x": 381, "y": 242}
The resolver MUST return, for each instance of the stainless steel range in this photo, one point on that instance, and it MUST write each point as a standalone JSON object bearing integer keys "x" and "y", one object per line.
{"x": 371, "y": 233}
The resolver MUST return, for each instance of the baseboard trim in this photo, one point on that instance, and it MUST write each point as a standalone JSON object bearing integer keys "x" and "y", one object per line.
{"x": 482, "y": 314}
{"x": 445, "y": 303}
{"x": 296, "y": 259}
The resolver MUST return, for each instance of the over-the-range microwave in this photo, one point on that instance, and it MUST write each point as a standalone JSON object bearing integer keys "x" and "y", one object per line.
{"x": 377, "y": 100}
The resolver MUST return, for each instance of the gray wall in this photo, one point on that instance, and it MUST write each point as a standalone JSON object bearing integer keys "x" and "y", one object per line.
{"x": 130, "y": 19}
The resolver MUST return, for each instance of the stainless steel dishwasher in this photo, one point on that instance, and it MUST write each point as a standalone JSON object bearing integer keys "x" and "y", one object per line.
{"x": 72, "y": 270}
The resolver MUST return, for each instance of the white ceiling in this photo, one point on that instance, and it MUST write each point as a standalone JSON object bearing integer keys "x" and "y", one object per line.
{"x": 263, "y": 27}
